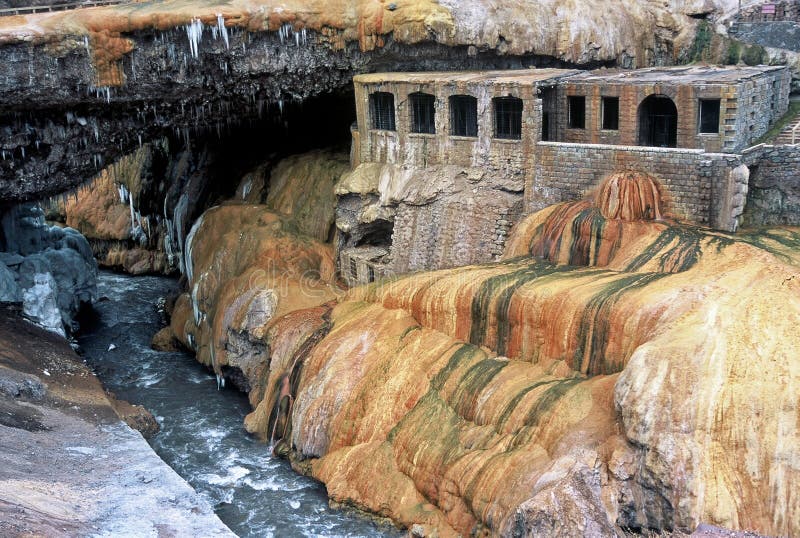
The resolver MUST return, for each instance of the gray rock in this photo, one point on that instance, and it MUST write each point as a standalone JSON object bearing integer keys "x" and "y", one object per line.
{"x": 51, "y": 269}
{"x": 18, "y": 384}
{"x": 9, "y": 290}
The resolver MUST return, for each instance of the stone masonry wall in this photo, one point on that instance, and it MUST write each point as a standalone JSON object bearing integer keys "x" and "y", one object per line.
{"x": 747, "y": 110}
{"x": 631, "y": 97}
{"x": 759, "y": 103}
{"x": 774, "y": 194}
{"x": 462, "y": 230}
{"x": 508, "y": 160}
{"x": 694, "y": 183}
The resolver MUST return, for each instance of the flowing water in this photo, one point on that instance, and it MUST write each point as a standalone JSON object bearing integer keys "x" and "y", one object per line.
{"x": 201, "y": 435}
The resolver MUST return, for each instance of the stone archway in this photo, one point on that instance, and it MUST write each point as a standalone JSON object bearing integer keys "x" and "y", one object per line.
{"x": 658, "y": 122}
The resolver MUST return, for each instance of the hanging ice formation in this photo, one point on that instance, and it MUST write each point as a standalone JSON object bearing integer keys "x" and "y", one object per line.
{"x": 194, "y": 31}
{"x": 222, "y": 30}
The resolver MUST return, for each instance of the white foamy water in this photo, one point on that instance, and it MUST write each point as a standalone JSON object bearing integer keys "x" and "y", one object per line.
{"x": 202, "y": 436}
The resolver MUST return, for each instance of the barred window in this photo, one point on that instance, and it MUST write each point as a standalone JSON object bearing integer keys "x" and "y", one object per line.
{"x": 610, "y": 113}
{"x": 381, "y": 109}
{"x": 577, "y": 111}
{"x": 507, "y": 117}
{"x": 423, "y": 113}
{"x": 709, "y": 116}
{"x": 463, "y": 115}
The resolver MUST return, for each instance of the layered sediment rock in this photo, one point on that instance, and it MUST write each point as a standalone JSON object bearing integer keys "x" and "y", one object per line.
{"x": 122, "y": 74}
{"x": 609, "y": 374}
{"x": 50, "y": 270}
{"x": 106, "y": 212}
{"x": 246, "y": 265}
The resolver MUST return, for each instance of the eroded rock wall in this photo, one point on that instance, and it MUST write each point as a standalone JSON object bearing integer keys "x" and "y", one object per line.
{"x": 625, "y": 389}
{"x": 87, "y": 86}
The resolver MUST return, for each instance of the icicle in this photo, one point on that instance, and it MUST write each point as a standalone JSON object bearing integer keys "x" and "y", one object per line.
{"x": 37, "y": 144}
{"x": 222, "y": 30}
{"x": 133, "y": 220}
{"x": 220, "y": 382}
{"x": 140, "y": 141}
{"x": 4, "y": 155}
{"x": 86, "y": 42}
{"x": 194, "y": 31}
{"x": 196, "y": 313}
{"x": 22, "y": 148}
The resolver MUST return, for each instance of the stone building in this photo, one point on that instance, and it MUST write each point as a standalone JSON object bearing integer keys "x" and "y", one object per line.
{"x": 445, "y": 163}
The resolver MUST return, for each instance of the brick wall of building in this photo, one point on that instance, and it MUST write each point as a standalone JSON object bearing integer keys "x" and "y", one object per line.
{"x": 507, "y": 159}
{"x": 459, "y": 230}
{"x": 747, "y": 110}
{"x": 696, "y": 186}
{"x": 759, "y": 103}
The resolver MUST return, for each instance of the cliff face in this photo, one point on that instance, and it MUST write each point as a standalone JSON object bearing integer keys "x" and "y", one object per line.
{"x": 87, "y": 86}
{"x": 625, "y": 389}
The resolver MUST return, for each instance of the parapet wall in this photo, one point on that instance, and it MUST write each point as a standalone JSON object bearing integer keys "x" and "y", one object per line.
{"x": 774, "y": 195}
{"x": 703, "y": 188}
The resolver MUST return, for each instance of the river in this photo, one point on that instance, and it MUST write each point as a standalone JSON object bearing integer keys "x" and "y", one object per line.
{"x": 201, "y": 435}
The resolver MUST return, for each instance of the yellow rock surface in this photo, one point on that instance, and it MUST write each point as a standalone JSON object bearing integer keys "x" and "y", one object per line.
{"x": 577, "y": 31}
{"x": 245, "y": 266}
{"x": 301, "y": 188}
{"x": 652, "y": 382}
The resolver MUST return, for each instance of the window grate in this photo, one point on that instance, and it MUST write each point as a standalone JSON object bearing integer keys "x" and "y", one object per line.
{"x": 709, "y": 116}
{"x": 381, "y": 109}
{"x": 423, "y": 113}
{"x": 507, "y": 117}
{"x": 463, "y": 115}
{"x": 577, "y": 111}
{"x": 610, "y": 113}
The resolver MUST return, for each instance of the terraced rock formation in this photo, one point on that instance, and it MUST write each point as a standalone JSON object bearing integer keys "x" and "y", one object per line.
{"x": 614, "y": 371}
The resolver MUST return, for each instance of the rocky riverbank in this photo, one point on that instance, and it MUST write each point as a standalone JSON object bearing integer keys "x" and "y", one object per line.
{"x": 69, "y": 465}
{"x": 608, "y": 374}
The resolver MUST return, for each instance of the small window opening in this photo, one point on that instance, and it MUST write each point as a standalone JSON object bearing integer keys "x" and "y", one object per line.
{"x": 545, "y": 126}
{"x": 709, "y": 116}
{"x": 423, "y": 113}
{"x": 381, "y": 109}
{"x": 353, "y": 269}
{"x": 610, "y": 107}
{"x": 577, "y": 112}
{"x": 507, "y": 117}
{"x": 463, "y": 115}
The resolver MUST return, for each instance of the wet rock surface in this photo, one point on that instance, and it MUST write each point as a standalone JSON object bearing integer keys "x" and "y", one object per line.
{"x": 50, "y": 270}
{"x": 566, "y": 389}
{"x": 99, "y": 81}
{"x": 68, "y": 465}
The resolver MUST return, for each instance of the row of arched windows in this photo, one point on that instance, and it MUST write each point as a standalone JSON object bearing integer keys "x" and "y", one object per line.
{"x": 507, "y": 114}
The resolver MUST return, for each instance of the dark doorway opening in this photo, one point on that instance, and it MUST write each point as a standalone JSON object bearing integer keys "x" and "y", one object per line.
{"x": 658, "y": 122}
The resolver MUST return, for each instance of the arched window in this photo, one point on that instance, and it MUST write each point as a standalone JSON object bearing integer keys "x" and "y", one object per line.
{"x": 463, "y": 115}
{"x": 507, "y": 117}
{"x": 423, "y": 112}
{"x": 381, "y": 110}
{"x": 658, "y": 122}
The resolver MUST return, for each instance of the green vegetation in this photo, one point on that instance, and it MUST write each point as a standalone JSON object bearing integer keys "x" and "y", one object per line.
{"x": 700, "y": 49}
{"x": 775, "y": 130}
{"x": 755, "y": 55}
{"x": 734, "y": 53}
